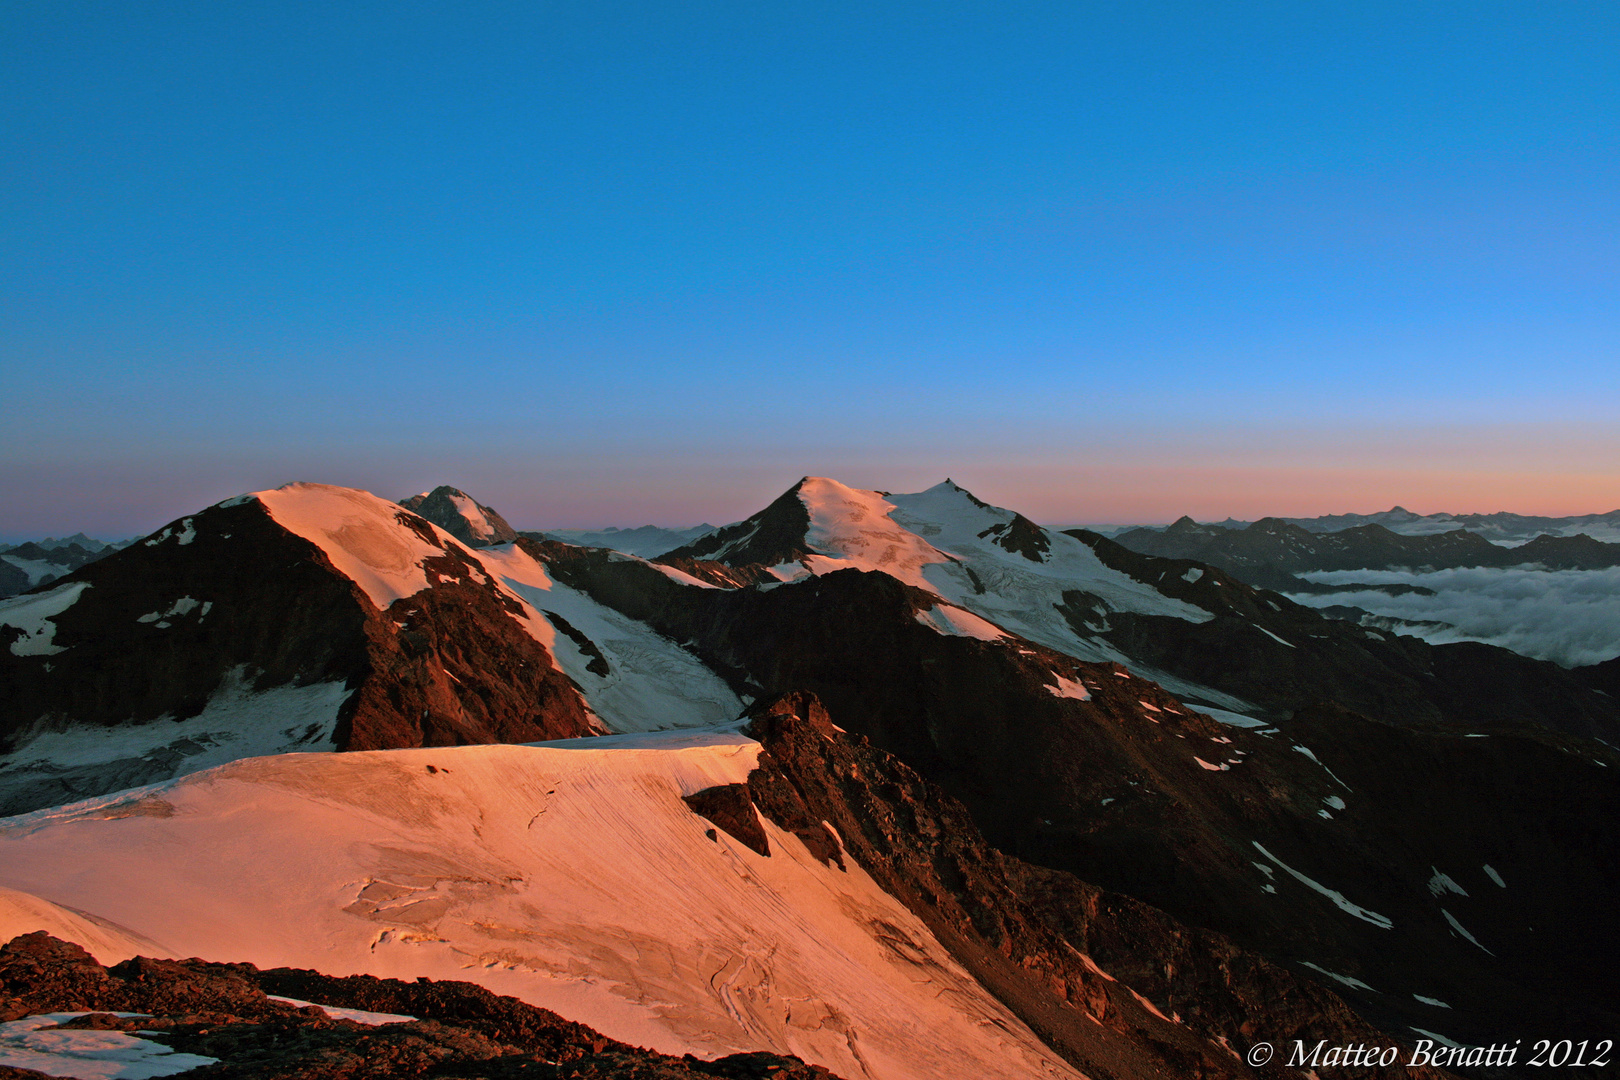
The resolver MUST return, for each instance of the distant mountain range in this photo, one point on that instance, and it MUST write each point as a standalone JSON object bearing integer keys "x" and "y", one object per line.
{"x": 648, "y": 541}
{"x": 871, "y": 761}
{"x": 1272, "y": 551}
{"x": 39, "y": 562}
{"x": 1500, "y": 528}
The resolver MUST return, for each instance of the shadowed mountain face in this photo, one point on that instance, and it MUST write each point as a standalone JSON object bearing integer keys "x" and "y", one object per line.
{"x": 1047, "y": 746}
{"x": 460, "y": 515}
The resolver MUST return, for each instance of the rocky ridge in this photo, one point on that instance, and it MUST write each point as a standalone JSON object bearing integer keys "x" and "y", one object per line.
{"x": 1388, "y": 819}
{"x": 225, "y": 1013}
{"x": 1271, "y": 552}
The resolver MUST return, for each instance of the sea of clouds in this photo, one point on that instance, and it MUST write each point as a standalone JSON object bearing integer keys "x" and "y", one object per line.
{"x": 1571, "y": 617}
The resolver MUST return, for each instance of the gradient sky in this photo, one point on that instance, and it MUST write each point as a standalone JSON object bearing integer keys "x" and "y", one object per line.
{"x": 610, "y": 263}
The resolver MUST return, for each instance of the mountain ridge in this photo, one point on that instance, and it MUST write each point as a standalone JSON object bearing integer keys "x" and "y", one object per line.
{"x": 1152, "y": 728}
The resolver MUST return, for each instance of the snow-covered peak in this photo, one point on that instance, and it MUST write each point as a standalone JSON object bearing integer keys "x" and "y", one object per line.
{"x": 948, "y": 501}
{"x": 462, "y": 516}
{"x": 361, "y": 534}
{"x": 983, "y": 559}
{"x": 851, "y": 527}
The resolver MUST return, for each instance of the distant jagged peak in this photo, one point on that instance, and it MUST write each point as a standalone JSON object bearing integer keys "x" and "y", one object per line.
{"x": 817, "y": 526}
{"x": 79, "y": 540}
{"x": 820, "y": 525}
{"x": 1185, "y": 524}
{"x": 462, "y": 516}
{"x": 952, "y": 485}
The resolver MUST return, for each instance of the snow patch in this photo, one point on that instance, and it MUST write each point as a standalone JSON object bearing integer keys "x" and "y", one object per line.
{"x": 38, "y": 570}
{"x": 1307, "y": 752}
{"x": 1150, "y": 1007}
{"x": 34, "y": 615}
{"x": 1457, "y": 926}
{"x": 955, "y": 622}
{"x": 947, "y": 555}
{"x": 789, "y": 571}
{"x": 1345, "y": 979}
{"x": 681, "y": 577}
{"x": 477, "y": 523}
{"x": 1494, "y": 876}
{"x": 181, "y": 607}
{"x": 359, "y": 1016}
{"x": 237, "y": 722}
{"x": 1212, "y": 768}
{"x": 1069, "y": 688}
{"x": 1272, "y": 636}
{"x": 1441, "y": 884}
{"x": 1338, "y": 898}
{"x": 852, "y": 528}
{"x": 1441, "y": 1039}
{"x": 1231, "y": 719}
{"x": 88, "y": 1054}
{"x": 1436, "y": 1002}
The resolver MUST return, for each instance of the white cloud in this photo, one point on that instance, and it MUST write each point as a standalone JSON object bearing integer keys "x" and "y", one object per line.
{"x": 1568, "y": 616}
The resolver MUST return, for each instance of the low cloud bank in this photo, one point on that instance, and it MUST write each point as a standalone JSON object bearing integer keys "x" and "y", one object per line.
{"x": 1571, "y": 617}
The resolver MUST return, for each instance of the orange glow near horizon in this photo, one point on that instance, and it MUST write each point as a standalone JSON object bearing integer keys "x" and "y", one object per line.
{"x": 1114, "y": 477}
{"x": 1157, "y": 494}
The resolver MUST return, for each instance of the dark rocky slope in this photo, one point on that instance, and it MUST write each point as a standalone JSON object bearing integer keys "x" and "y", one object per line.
{"x": 773, "y": 536}
{"x": 1117, "y": 987}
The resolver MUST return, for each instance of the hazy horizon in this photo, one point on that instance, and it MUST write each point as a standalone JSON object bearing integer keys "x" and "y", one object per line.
{"x": 514, "y": 510}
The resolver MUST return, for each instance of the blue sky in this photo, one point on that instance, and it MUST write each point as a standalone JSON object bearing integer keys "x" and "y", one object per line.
{"x": 611, "y": 263}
